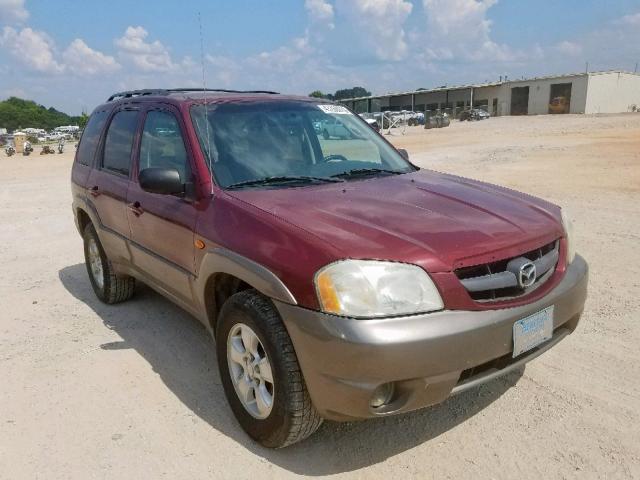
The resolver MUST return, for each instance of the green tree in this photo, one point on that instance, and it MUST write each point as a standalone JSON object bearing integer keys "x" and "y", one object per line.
{"x": 344, "y": 93}
{"x": 351, "y": 93}
{"x": 82, "y": 120}
{"x": 17, "y": 113}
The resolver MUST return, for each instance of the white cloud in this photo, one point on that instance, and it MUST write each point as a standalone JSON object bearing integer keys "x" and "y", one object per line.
{"x": 83, "y": 60}
{"x": 13, "y": 11}
{"x": 613, "y": 45}
{"x": 381, "y": 23}
{"x": 461, "y": 29}
{"x": 632, "y": 19}
{"x": 282, "y": 59}
{"x": 569, "y": 48}
{"x": 32, "y": 48}
{"x": 320, "y": 11}
{"x": 148, "y": 57}
{"x": 225, "y": 71}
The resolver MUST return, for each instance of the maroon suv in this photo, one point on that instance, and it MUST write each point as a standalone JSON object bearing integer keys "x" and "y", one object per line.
{"x": 339, "y": 280}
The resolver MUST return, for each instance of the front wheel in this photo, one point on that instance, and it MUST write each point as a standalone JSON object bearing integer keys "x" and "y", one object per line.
{"x": 325, "y": 134}
{"x": 260, "y": 373}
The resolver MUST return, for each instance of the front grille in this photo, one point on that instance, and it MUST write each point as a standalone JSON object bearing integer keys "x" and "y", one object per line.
{"x": 503, "y": 279}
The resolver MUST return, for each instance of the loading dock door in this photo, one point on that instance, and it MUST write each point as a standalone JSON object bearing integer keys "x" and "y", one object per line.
{"x": 520, "y": 101}
{"x": 560, "y": 98}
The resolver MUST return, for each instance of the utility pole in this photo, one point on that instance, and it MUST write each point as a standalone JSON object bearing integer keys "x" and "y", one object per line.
{"x": 587, "y": 68}
{"x": 635, "y": 70}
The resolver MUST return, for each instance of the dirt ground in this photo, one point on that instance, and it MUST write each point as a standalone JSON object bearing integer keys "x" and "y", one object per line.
{"x": 132, "y": 391}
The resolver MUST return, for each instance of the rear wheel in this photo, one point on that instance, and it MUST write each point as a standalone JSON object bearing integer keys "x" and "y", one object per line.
{"x": 108, "y": 287}
{"x": 260, "y": 372}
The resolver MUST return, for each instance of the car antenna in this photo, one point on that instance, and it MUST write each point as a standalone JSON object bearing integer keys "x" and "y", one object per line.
{"x": 206, "y": 111}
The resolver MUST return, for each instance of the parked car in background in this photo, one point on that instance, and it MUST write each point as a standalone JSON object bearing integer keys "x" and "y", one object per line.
{"x": 408, "y": 117}
{"x": 559, "y": 105}
{"x": 373, "y": 123}
{"x": 472, "y": 114}
{"x": 371, "y": 120}
{"x": 437, "y": 120}
{"x": 334, "y": 128}
{"x": 339, "y": 280}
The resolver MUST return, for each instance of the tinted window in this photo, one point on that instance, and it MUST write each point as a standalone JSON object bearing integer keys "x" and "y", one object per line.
{"x": 91, "y": 137}
{"x": 117, "y": 146}
{"x": 162, "y": 144}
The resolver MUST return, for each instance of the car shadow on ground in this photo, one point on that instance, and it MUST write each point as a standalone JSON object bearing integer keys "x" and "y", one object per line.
{"x": 181, "y": 351}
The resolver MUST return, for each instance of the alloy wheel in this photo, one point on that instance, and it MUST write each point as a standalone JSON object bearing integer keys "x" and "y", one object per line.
{"x": 95, "y": 263}
{"x": 250, "y": 371}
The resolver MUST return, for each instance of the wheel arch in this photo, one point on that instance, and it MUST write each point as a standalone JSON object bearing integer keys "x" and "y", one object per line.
{"x": 224, "y": 273}
{"x": 83, "y": 219}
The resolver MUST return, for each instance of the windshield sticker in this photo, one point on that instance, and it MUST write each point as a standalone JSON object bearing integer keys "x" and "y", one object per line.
{"x": 339, "y": 109}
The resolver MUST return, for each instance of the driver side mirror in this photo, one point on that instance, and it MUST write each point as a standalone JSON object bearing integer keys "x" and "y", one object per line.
{"x": 404, "y": 153}
{"x": 164, "y": 181}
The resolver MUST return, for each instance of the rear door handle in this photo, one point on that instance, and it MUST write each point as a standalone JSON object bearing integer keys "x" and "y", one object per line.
{"x": 135, "y": 208}
{"x": 94, "y": 191}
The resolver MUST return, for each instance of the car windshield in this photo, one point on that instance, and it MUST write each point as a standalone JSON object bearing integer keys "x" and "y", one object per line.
{"x": 268, "y": 144}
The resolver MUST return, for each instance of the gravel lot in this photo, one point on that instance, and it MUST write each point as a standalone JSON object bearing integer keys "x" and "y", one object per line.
{"x": 132, "y": 391}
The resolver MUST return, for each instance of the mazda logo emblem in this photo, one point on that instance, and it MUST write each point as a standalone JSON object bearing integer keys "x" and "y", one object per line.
{"x": 527, "y": 275}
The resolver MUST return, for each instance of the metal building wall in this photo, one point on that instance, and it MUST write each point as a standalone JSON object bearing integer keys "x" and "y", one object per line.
{"x": 613, "y": 92}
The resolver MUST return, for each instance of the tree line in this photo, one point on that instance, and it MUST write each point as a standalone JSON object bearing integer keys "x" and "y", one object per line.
{"x": 341, "y": 94}
{"x": 16, "y": 114}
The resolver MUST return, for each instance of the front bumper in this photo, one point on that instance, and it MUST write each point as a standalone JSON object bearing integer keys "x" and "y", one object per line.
{"x": 429, "y": 357}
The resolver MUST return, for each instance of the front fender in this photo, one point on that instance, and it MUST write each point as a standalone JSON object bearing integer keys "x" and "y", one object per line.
{"x": 220, "y": 260}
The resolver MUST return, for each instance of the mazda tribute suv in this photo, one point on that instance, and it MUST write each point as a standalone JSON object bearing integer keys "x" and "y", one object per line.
{"x": 339, "y": 280}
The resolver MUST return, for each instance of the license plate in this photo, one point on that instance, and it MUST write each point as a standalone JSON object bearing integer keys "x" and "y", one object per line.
{"x": 533, "y": 330}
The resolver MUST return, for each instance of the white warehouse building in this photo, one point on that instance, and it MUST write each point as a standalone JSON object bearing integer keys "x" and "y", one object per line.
{"x": 612, "y": 91}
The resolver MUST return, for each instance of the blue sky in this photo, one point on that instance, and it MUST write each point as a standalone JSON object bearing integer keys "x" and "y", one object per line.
{"x": 73, "y": 54}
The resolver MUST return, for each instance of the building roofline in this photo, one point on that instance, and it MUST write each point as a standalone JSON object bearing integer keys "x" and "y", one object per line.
{"x": 445, "y": 88}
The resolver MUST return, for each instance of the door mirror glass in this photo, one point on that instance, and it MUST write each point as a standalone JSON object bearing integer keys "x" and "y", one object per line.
{"x": 164, "y": 181}
{"x": 404, "y": 153}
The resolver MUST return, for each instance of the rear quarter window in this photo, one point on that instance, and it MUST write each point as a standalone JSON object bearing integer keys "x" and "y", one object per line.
{"x": 90, "y": 138}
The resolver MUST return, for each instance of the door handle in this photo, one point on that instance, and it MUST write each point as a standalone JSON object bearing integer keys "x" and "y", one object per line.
{"x": 94, "y": 191}
{"x": 135, "y": 208}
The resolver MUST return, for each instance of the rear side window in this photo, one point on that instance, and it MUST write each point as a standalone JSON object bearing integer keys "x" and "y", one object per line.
{"x": 90, "y": 138}
{"x": 119, "y": 141}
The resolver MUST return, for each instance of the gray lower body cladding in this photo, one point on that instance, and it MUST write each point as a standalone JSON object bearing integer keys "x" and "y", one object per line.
{"x": 428, "y": 357}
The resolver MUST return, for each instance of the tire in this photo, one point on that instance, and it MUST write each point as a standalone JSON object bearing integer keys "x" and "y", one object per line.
{"x": 291, "y": 416}
{"x": 325, "y": 134}
{"x": 108, "y": 287}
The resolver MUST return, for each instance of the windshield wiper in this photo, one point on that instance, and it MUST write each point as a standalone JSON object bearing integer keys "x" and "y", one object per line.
{"x": 360, "y": 172}
{"x": 283, "y": 179}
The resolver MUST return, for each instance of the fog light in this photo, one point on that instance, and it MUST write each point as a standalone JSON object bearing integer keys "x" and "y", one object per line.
{"x": 381, "y": 395}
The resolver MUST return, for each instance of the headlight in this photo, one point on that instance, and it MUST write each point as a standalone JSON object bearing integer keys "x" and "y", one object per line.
{"x": 568, "y": 232}
{"x": 368, "y": 288}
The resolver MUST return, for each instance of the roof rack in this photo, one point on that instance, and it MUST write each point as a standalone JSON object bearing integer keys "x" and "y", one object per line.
{"x": 222, "y": 90}
{"x": 167, "y": 91}
{"x": 136, "y": 93}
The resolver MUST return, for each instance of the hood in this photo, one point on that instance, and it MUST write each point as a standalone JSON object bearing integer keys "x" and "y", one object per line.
{"x": 438, "y": 221}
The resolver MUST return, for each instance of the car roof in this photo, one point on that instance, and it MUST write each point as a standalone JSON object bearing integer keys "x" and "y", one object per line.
{"x": 199, "y": 95}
